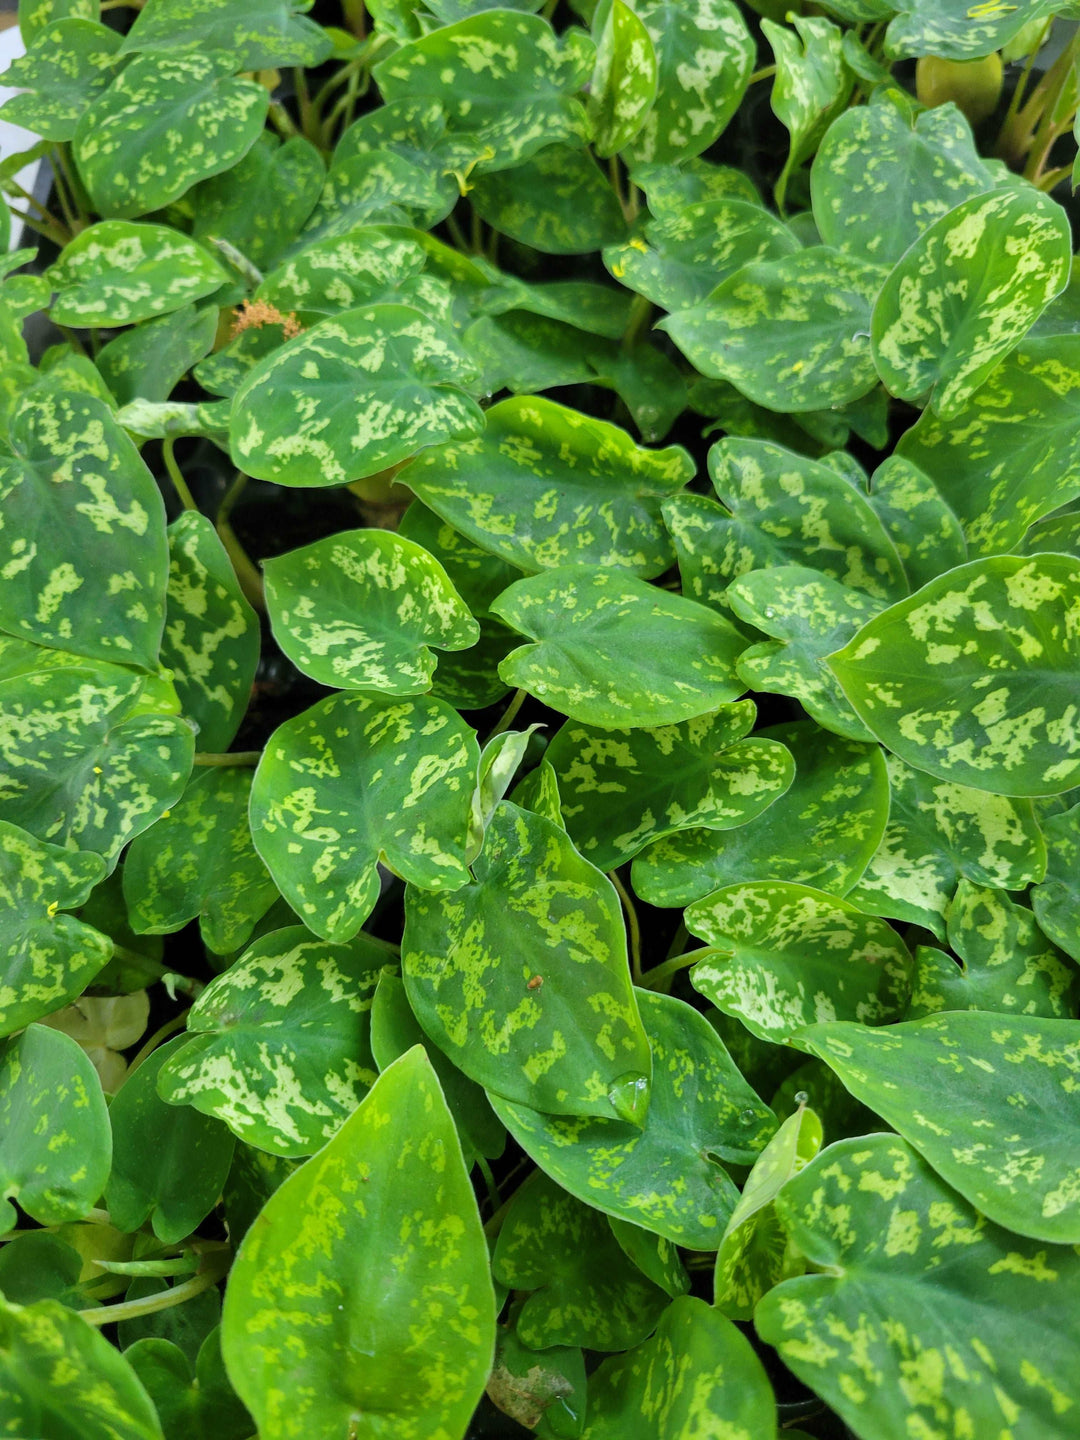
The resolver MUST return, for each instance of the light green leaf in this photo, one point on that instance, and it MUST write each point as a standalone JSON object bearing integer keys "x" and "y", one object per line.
{"x": 507, "y": 83}
{"x": 530, "y": 997}
{"x": 116, "y": 273}
{"x": 260, "y": 204}
{"x": 670, "y": 188}
{"x": 198, "y": 860}
{"x": 991, "y": 1102}
{"x": 559, "y": 202}
{"x": 272, "y": 33}
{"x": 939, "y": 832}
{"x": 211, "y": 640}
{"x": 792, "y": 334}
{"x": 612, "y": 650}
{"x": 1006, "y": 964}
{"x": 82, "y": 534}
{"x": 34, "y": 15}
{"x": 973, "y": 678}
{"x": 500, "y": 760}
{"x": 622, "y": 789}
{"x": 704, "y": 56}
{"x": 698, "y": 1372}
{"x": 545, "y": 486}
{"x": 666, "y": 1177}
{"x": 55, "y": 1146}
{"x": 809, "y": 615}
{"x": 1013, "y": 453}
{"x": 169, "y": 1165}
{"x": 165, "y": 123}
{"x": 959, "y": 31}
{"x": 90, "y": 754}
{"x": 921, "y": 1315}
{"x": 624, "y": 82}
{"x": 48, "y": 958}
{"x": 352, "y": 396}
{"x": 821, "y": 832}
{"x": 70, "y": 63}
{"x": 279, "y": 1045}
{"x": 682, "y": 257}
{"x": 59, "y": 1376}
{"x": 374, "y": 1247}
{"x": 755, "y": 1253}
{"x": 811, "y": 82}
{"x": 1056, "y": 902}
{"x": 583, "y": 1289}
{"x": 784, "y": 956}
{"x": 146, "y": 363}
{"x": 966, "y": 293}
{"x": 928, "y": 537}
{"x": 356, "y": 778}
{"x": 885, "y": 171}
{"x": 360, "y": 609}
{"x": 539, "y": 791}
{"x": 368, "y": 264}
{"x": 1059, "y": 533}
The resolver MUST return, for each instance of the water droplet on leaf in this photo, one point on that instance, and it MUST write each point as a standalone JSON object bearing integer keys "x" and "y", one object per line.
{"x": 629, "y": 1097}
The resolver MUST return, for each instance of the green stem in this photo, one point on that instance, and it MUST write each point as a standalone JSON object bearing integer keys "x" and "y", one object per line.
{"x": 641, "y": 310}
{"x": 282, "y": 120}
{"x": 162, "y": 1033}
{"x": 181, "y": 1265}
{"x": 217, "y": 1265}
{"x": 658, "y": 977}
{"x": 615, "y": 176}
{"x": 632, "y": 925}
{"x": 247, "y": 758}
{"x": 456, "y": 233}
{"x": 765, "y": 73}
{"x": 179, "y": 483}
{"x": 509, "y": 714}
{"x": 678, "y": 940}
{"x": 251, "y": 582}
{"x": 50, "y": 228}
{"x": 489, "y": 1183}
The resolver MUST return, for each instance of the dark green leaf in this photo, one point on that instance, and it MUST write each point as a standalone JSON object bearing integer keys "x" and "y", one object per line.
{"x": 559, "y": 202}
{"x": 1057, "y": 901}
{"x": 194, "y": 1404}
{"x": 260, "y": 204}
{"x": 147, "y": 362}
{"x": 624, "y": 83}
{"x": 41, "y": 1266}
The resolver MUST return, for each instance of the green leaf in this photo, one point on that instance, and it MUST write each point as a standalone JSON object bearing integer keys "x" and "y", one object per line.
{"x": 211, "y": 640}
{"x": 354, "y": 779}
{"x": 755, "y": 1253}
{"x": 885, "y": 172}
{"x": 669, "y": 189}
{"x": 82, "y": 537}
{"x": 260, "y": 204}
{"x": 1006, "y": 964}
{"x": 928, "y": 537}
{"x": 785, "y": 956}
{"x": 148, "y": 362}
{"x": 697, "y": 1371}
{"x": 966, "y": 293}
{"x": 545, "y": 486}
{"x": 532, "y": 1000}
{"x": 257, "y": 37}
{"x": 622, "y": 789}
{"x": 48, "y": 958}
{"x": 704, "y": 56}
{"x": 35, "y": 15}
{"x": 192, "y": 1403}
{"x": 359, "y": 610}
{"x": 558, "y": 202}
{"x": 507, "y": 83}
{"x": 1056, "y": 902}
{"x": 368, "y": 264}
{"x": 612, "y": 650}
{"x": 583, "y": 1289}
{"x": 821, "y": 832}
{"x": 791, "y": 334}
{"x": 68, "y": 65}
{"x": 667, "y": 1176}
{"x": 198, "y": 860}
{"x": 39, "y": 1266}
{"x": 1012, "y": 454}
{"x": 174, "y": 120}
{"x": 990, "y": 1102}
{"x": 377, "y": 1244}
{"x": 542, "y": 1390}
{"x": 55, "y": 1146}
{"x": 973, "y": 678}
{"x": 685, "y": 255}
{"x": 395, "y": 1029}
{"x": 956, "y": 30}
{"x": 923, "y": 1316}
{"x": 939, "y": 832}
{"x": 116, "y": 273}
{"x": 624, "y": 82}
{"x": 60, "y": 1377}
{"x": 279, "y": 1048}
{"x": 811, "y": 82}
{"x": 169, "y": 1165}
{"x": 352, "y": 396}
{"x": 809, "y": 615}
{"x": 653, "y": 1255}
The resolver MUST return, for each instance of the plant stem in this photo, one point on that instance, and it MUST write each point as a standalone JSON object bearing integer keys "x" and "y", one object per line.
{"x": 632, "y": 925}
{"x": 489, "y": 1183}
{"x": 509, "y": 714}
{"x": 282, "y": 120}
{"x": 765, "y": 73}
{"x": 49, "y": 227}
{"x": 657, "y": 978}
{"x": 250, "y": 580}
{"x": 641, "y": 310}
{"x": 186, "y": 984}
{"x": 162, "y": 1033}
{"x": 615, "y": 176}
{"x": 181, "y": 1265}
{"x": 180, "y": 485}
{"x": 247, "y": 758}
{"x": 217, "y": 1263}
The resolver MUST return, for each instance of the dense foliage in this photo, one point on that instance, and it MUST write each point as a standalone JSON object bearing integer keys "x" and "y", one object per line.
{"x": 599, "y": 732}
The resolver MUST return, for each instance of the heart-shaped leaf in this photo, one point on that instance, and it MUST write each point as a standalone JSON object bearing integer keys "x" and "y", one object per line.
{"x": 193, "y": 1403}
{"x": 365, "y": 265}
{"x": 949, "y": 28}
{"x": 260, "y": 204}
{"x": 116, "y": 273}
{"x": 275, "y": 33}
{"x": 356, "y": 778}
{"x": 559, "y": 202}
{"x": 1056, "y": 902}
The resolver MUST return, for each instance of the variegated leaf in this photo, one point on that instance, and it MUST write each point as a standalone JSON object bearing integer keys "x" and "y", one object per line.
{"x": 559, "y": 202}
{"x": 366, "y": 265}
{"x": 784, "y": 956}
{"x": 670, "y": 188}
{"x": 273, "y": 33}
{"x": 811, "y": 82}
{"x": 531, "y": 997}
{"x": 260, "y": 204}
{"x": 624, "y": 82}
{"x": 279, "y": 1047}
{"x": 966, "y": 293}
{"x": 70, "y": 62}
{"x": 1056, "y": 901}
{"x": 147, "y": 362}
{"x": 992, "y": 1102}
{"x": 958, "y": 30}
{"x": 666, "y": 1177}
{"x": 974, "y": 678}
{"x": 354, "y": 779}
{"x": 928, "y": 537}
